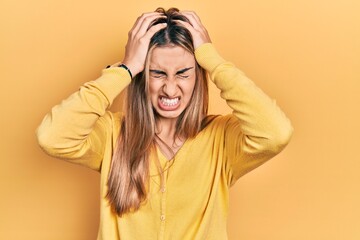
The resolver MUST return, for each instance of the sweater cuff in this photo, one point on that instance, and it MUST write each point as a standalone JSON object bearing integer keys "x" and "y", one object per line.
{"x": 208, "y": 58}
{"x": 113, "y": 81}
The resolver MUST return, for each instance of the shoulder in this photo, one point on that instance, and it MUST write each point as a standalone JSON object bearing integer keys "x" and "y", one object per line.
{"x": 116, "y": 117}
{"x": 219, "y": 123}
{"x": 112, "y": 121}
{"x": 219, "y": 120}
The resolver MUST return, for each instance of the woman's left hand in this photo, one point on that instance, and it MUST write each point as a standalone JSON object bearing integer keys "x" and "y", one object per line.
{"x": 198, "y": 31}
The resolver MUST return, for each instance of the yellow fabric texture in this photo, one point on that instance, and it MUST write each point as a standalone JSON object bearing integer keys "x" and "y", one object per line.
{"x": 193, "y": 203}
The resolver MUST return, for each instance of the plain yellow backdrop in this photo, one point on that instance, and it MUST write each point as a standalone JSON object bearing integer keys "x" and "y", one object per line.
{"x": 303, "y": 53}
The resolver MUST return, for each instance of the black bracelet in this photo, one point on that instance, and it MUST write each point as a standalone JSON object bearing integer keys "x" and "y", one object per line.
{"x": 126, "y": 68}
{"x": 123, "y": 66}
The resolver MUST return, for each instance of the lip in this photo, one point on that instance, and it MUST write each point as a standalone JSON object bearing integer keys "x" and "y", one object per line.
{"x": 166, "y": 107}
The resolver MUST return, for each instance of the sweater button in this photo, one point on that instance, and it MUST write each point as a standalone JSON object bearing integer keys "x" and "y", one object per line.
{"x": 163, "y": 189}
{"x": 162, "y": 217}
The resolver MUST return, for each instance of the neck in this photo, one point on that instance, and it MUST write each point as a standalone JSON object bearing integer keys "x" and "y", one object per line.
{"x": 169, "y": 144}
{"x": 166, "y": 128}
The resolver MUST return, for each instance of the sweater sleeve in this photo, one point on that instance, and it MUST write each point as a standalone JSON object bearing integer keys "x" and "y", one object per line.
{"x": 259, "y": 130}
{"x": 76, "y": 130}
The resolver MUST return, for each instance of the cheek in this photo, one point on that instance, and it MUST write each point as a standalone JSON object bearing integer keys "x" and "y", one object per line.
{"x": 190, "y": 87}
{"x": 153, "y": 88}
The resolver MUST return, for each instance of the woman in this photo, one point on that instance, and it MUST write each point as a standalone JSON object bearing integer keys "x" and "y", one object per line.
{"x": 166, "y": 166}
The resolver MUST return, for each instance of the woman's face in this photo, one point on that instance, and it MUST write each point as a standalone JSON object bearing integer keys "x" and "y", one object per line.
{"x": 171, "y": 80}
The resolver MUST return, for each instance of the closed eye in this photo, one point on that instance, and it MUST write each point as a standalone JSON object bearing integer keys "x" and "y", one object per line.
{"x": 182, "y": 76}
{"x": 157, "y": 76}
{"x": 182, "y": 73}
{"x": 157, "y": 73}
{"x": 161, "y": 74}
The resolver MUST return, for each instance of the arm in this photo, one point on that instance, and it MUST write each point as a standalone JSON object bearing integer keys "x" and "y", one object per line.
{"x": 260, "y": 130}
{"x": 76, "y": 129}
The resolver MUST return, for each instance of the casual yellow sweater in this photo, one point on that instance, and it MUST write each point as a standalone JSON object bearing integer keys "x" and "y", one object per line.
{"x": 193, "y": 202}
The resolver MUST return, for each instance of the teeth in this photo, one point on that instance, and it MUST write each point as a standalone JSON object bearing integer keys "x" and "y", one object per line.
{"x": 169, "y": 102}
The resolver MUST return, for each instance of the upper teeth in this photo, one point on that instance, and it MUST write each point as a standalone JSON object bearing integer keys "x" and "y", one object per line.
{"x": 169, "y": 102}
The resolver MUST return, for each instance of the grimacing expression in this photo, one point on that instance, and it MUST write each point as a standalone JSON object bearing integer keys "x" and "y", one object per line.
{"x": 172, "y": 77}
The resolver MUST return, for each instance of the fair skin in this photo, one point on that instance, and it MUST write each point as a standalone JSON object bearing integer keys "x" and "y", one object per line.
{"x": 170, "y": 91}
{"x": 171, "y": 84}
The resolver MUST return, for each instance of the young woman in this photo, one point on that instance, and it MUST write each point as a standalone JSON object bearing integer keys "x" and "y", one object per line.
{"x": 166, "y": 166}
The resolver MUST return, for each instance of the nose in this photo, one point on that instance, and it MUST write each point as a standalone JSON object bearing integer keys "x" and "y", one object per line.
{"x": 170, "y": 87}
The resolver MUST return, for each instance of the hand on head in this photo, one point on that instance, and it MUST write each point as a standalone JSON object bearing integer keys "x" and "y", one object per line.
{"x": 141, "y": 33}
{"x": 198, "y": 31}
{"x": 138, "y": 41}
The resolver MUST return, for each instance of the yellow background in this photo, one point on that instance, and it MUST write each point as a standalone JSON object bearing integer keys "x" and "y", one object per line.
{"x": 303, "y": 53}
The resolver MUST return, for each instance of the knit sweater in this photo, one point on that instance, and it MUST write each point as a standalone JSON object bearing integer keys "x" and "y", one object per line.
{"x": 193, "y": 201}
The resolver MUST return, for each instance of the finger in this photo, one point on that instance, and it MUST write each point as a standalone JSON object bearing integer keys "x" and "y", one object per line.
{"x": 200, "y": 36}
{"x": 194, "y": 19}
{"x": 140, "y": 21}
{"x": 187, "y": 25}
{"x": 192, "y": 14}
{"x": 154, "y": 29}
{"x": 147, "y": 23}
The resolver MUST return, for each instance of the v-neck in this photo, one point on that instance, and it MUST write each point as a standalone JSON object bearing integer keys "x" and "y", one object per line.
{"x": 164, "y": 160}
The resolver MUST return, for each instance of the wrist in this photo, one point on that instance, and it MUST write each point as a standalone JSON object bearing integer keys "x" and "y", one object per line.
{"x": 133, "y": 65}
{"x": 124, "y": 66}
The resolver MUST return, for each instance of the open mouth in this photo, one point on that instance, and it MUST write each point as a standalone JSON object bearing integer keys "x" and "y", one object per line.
{"x": 169, "y": 104}
{"x": 169, "y": 101}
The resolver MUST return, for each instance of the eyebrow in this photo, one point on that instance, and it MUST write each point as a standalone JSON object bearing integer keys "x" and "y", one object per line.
{"x": 183, "y": 70}
{"x": 164, "y": 73}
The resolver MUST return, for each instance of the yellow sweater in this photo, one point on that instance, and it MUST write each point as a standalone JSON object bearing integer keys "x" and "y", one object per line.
{"x": 193, "y": 204}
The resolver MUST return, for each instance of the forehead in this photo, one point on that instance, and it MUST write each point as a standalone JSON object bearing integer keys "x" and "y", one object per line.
{"x": 171, "y": 58}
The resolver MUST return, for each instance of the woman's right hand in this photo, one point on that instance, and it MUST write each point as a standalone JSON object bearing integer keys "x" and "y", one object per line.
{"x": 138, "y": 41}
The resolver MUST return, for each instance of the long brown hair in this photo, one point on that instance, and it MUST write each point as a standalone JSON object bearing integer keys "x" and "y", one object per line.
{"x": 129, "y": 173}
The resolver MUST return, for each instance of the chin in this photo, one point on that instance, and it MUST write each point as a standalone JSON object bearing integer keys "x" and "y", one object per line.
{"x": 168, "y": 114}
